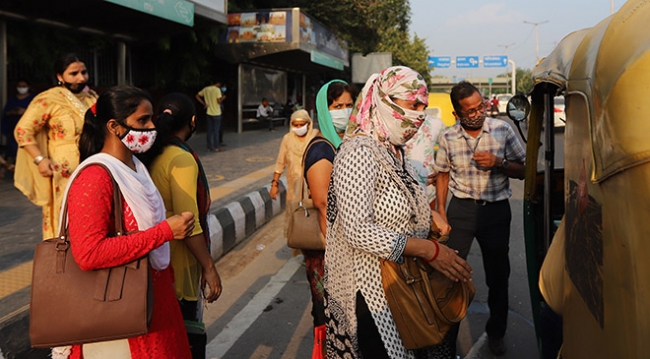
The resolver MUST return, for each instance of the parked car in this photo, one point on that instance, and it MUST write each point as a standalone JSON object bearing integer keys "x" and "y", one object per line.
{"x": 503, "y": 101}
{"x": 559, "y": 117}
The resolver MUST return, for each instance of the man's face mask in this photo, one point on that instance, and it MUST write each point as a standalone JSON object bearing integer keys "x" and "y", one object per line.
{"x": 473, "y": 119}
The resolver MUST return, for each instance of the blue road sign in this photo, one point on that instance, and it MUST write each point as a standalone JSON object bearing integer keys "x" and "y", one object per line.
{"x": 495, "y": 61}
{"x": 466, "y": 61}
{"x": 441, "y": 62}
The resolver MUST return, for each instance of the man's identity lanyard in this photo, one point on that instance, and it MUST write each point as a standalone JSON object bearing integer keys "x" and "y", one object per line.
{"x": 478, "y": 139}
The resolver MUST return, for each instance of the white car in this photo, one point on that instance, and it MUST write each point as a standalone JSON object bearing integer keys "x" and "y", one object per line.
{"x": 503, "y": 101}
{"x": 559, "y": 116}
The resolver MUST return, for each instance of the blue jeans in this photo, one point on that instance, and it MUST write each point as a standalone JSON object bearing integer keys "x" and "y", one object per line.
{"x": 212, "y": 136}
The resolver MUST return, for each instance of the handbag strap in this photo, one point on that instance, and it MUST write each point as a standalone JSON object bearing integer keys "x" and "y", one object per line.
{"x": 304, "y": 156}
{"x": 117, "y": 207}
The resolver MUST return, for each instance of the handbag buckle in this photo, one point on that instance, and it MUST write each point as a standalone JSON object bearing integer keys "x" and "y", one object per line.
{"x": 303, "y": 208}
{"x": 62, "y": 245}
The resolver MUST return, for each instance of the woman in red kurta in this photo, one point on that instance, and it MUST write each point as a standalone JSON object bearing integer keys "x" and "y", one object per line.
{"x": 121, "y": 125}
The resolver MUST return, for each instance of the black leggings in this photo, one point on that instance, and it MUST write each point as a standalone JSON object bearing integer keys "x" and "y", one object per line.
{"x": 367, "y": 332}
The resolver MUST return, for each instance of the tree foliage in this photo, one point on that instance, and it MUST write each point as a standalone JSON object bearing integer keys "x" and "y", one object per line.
{"x": 524, "y": 80}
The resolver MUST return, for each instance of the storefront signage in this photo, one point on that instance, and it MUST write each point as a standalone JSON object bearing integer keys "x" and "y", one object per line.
{"x": 322, "y": 38}
{"x": 179, "y": 11}
{"x": 324, "y": 59}
{"x": 263, "y": 26}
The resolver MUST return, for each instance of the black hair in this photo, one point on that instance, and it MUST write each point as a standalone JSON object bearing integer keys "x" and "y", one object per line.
{"x": 22, "y": 79}
{"x": 336, "y": 89}
{"x": 118, "y": 102}
{"x": 182, "y": 111}
{"x": 63, "y": 61}
{"x": 461, "y": 91}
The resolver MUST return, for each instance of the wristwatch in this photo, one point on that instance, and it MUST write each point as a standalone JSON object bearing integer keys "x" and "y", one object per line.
{"x": 504, "y": 164}
{"x": 38, "y": 159}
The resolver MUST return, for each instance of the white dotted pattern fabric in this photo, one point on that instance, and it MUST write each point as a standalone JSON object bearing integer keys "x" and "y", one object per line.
{"x": 371, "y": 212}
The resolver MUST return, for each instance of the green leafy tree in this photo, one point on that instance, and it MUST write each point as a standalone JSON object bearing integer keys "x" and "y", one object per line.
{"x": 524, "y": 80}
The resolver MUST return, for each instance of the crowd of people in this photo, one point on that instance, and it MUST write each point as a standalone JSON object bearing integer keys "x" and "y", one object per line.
{"x": 73, "y": 147}
{"x": 379, "y": 178}
{"x": 377, "y": 169}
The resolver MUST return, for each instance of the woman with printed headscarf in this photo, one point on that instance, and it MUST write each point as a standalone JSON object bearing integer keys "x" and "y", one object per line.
{"x": 376, "y": 210}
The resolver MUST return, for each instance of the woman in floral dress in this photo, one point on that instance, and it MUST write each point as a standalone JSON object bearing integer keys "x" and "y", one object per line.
{"x": 47, "y": 136}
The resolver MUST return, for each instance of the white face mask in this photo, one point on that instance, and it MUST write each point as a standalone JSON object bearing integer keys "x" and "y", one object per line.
{"x": 340, "y": 118}
{"x": 300, "y": 131}
{"x": 22, "y": 90}
{"x": 139, "y": 141}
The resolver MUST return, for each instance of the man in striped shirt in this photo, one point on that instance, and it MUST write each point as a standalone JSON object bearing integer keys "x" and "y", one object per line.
{"x": 475, "y": 160}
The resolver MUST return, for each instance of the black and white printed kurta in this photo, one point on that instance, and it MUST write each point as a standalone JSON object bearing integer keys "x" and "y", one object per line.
{"x": 370, "y": 214}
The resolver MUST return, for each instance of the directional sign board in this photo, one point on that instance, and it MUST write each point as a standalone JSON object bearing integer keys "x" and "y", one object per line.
{"x": 441, "y": 62}
{"x": 495, "y": 61}
{"x": 466, "y": 61}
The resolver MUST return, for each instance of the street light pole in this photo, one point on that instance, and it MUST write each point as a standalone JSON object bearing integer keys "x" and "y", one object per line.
{"x": 506, "y": 46}
{"x": 506, "y": 51}
{"x": 536, "y": 37}
{"x": 514, "y": 77}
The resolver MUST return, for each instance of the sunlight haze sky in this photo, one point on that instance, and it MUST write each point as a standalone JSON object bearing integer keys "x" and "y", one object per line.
{"x": 484, "y": 28}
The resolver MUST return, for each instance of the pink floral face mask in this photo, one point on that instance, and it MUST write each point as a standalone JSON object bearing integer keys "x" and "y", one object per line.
{"x": 378, "y": 115}
{"x": 138, "y": 140}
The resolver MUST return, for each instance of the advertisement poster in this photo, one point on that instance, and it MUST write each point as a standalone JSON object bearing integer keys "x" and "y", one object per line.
{"x": 322, "y": 38}
{"x": 269, "y": 26}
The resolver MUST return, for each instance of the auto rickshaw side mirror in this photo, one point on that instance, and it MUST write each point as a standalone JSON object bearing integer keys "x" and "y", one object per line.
{"x": 518, "y": 108}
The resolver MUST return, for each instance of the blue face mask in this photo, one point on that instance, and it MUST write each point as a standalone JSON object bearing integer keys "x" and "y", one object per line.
{"x": 223, "y": 89}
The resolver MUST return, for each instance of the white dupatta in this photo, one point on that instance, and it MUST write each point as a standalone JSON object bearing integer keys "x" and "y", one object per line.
{"x": 140, "y": 194}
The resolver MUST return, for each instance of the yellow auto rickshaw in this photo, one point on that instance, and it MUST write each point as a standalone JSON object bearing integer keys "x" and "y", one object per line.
{"x": 587, "y": 222}
{"x": 440, "y": 107}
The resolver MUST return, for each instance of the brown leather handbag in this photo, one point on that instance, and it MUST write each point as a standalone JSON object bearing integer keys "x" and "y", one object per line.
{"x": 424, "y": 303}
{"x": 73, "y": 306}
{"x": 303, "y": 230}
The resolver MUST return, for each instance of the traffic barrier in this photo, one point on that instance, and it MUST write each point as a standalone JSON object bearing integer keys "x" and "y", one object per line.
{"x": 233, "y": 223}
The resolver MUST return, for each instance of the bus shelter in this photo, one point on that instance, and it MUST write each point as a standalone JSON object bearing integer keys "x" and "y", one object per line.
{"x": 273, "y": 47}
